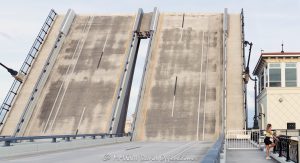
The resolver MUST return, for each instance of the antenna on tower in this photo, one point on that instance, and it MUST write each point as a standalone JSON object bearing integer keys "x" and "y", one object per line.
{"x": 282, "y": 51}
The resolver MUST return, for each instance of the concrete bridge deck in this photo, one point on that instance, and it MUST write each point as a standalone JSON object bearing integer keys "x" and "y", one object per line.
{"x": 182, "y": 97}
{"x": 79, "y": 93}
{"x": 80, "y": 90}
{"x": 182, "y": 93}
{"x": 123, "y": 152}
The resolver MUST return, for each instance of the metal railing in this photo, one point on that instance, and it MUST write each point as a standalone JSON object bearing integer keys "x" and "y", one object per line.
{"x": 242, "y": 139}
{"x": 284, "y": 132}
{"x": 292, "y": 133}
{"x": 8, "y": 140}
{"x": 287, "y": 147}
{"x": 287, "y": 144}
{"x": 214, "y": 153}
{"x": 25, "y": 69}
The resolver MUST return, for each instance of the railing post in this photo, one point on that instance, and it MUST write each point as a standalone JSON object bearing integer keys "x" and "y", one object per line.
{"x": 298, "y": 150}
{"x": 7, "y": 143}
{"x": 280, "y": 147}
{"x": 275, "y": 147}
{"x": 68, "y": 139}
{"x": 287, "y": 149}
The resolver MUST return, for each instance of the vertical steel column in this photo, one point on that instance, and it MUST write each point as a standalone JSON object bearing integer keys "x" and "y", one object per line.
{"x": 225, "y": 37}
{"x": 244, "y": 67}
{"x": 124, "y": 88}
{"x": 224, "y": 86}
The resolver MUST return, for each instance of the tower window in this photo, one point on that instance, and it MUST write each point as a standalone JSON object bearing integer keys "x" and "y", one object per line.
{"x": 290, "y": 75}
{"x": 275, "y": 75}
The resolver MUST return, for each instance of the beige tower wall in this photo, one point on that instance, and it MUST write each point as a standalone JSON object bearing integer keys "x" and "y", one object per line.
{"x": 282, "y": 107}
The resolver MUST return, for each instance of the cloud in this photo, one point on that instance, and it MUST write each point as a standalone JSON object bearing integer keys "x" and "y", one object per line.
{"x": 5, "y": 35}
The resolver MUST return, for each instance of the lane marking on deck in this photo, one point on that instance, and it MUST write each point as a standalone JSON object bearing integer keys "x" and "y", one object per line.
{"x": 68, "y": 79}
{"x": 174, "y": 97}
{"x": 182, "y": 21}
{"x": 187, "y": 148}
{"x": 174, "y": 149}
{"x": 128, "y": 149}
{"x": 205, "y": 90}
{"x": 102, "y": 50}
{"x": 200, "y": 82}
{"x": 182, "y": 26}
{"x": 60, "y": 88}
{"x": 79, "y": 123}
{"x": 105, "y": 42}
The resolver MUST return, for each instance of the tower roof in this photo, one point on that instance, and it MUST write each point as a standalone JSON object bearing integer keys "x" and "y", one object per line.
{"x": 281, "y": 54}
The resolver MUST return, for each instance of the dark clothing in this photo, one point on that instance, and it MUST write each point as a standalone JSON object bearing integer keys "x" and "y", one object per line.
{"x": 267, "y": 140}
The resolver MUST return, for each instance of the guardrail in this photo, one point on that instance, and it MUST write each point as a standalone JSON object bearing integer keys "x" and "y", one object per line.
{"x": 214, "y": 153}
{"x": 242, "y": 139}
{"x": 25, "y": 69}
{"x": 293, "y": 133}
{"x": 8, "y": 140}
{"x": 283, "y": 132}
{"x": 288, "y": 148}
{"x": 288, "y": 144}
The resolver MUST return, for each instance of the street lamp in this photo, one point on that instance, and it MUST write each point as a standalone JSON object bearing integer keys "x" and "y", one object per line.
{"x": 13, "y": 73}
{"x": 246, "y": 79}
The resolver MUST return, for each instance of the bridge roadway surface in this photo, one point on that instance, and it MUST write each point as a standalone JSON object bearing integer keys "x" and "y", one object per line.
{"x": 182, "y": 90}
{"x": 136, "y": 151}
{"x": 181, "y": 98}
{"x": 80, "y": 90}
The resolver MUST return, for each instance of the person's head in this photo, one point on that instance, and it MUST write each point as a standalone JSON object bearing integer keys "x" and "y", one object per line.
{"x": 269, "y": 127}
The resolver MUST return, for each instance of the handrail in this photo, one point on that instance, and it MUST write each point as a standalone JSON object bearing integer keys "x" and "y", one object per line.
{"x": 25, "y": 69}
{"x": 213, "y": 155}
{"x": 8, "y": 140}
{"x": 285, "y": 132}
{"x": 287, "y": 147}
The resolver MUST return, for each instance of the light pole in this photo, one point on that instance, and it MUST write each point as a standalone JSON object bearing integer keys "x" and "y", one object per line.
{"x": 14, "y": 73}
{"x": 255, "y": 121}
{"x": 246, "y": 79}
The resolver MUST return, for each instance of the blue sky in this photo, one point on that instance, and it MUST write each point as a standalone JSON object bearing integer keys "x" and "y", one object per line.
{"x": 267, "y": 24}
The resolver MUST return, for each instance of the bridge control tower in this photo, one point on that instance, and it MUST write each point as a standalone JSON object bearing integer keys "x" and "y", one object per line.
{"x": 279, "y": 94}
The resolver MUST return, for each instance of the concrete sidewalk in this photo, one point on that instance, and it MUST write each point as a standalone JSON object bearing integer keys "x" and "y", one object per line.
{"x": 237, "y": 156}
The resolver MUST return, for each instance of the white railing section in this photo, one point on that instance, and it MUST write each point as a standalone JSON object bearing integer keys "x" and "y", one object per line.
{"x": 242, "y": 139}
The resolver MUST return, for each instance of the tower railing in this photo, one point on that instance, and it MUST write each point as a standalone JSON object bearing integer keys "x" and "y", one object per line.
{"x": 25, "y": 69}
